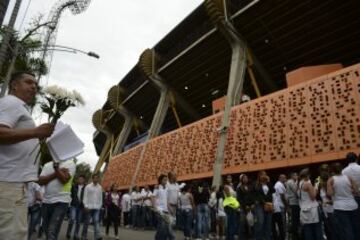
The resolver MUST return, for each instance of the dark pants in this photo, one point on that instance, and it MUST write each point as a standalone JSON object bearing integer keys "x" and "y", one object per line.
{"x": 312, "y": 231}
{"x": 113, "y": 213}
{"x": 135, "y": 216}
{"x": 330, "y": 228}
{"x": 262, "y": 225}
{"x": 53, "y": 216}
{"x": 187, "y": 220}
{"x": 146, "y": 217}
{"x": 76, "y": 217}
{"x": 278, "y": 228}
{"x": 231, "y": 223}
{"x": 163, "y": 229}
{"x": 347, "y": 224}
{"x": 295, "y": 222}
{"x": 126, "y": 218}
{"x": 34, "y": 218}
{"x": 213, "y": 220}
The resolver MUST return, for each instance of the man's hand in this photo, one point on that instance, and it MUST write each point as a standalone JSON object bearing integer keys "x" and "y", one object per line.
{"x": 44, "y": 130}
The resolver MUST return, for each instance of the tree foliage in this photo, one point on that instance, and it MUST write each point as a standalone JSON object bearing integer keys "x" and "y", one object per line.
{"x": 28, "y": 57}
{"x": 83, "y": 169}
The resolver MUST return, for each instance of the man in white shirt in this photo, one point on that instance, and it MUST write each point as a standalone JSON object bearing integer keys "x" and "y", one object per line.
{"x": 173, "y": 189}
{"x": 93, "y": 201}
{"x": 57, "y": 179}
{"x": 280, "y": 205}
{"x": 353, "y": 170}
{"x": 135, "y": 207}
{"x": 126, "y": 208}
{"x": 146, "y": 196}
{"x": 164, "y": 219}
{"x": 18, "y": 137}
{"x": 34, "y": 205}
{"x": 293, "y": 200}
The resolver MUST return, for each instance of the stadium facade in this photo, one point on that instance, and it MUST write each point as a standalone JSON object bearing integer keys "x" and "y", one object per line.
{"x": 297, "y": 61}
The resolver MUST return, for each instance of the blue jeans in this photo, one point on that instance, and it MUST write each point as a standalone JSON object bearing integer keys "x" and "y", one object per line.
{"x": 202, "y": 220}
{"x": 312, "y": 231}
{"x": 187, "y": 220}
{"x": 163, "y": 229}
{"x": 262, "y": 223}
{"x": 93, "y": 214}
{"x": 53, "y": 216}
{"x": 34, "y": 218}
{"x": 231, "y": 216}
{"x": 347, "y": 224}
{"x": 76, "y": 217}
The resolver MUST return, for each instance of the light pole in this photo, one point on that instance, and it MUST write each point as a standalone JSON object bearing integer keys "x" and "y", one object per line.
{"x": 59, "y": 48}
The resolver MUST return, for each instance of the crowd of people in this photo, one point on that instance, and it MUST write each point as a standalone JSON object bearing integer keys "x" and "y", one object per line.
{"x": 292, "y": 208}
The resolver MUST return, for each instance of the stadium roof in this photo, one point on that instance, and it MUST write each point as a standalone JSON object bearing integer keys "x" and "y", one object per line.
{"x": 194, "y": 58}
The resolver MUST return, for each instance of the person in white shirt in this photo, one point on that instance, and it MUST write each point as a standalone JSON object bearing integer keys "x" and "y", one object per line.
{"x": 342, "y": 189}
{"x": 353, "y": 171}
{"x": 126, "y": 208}
{"x": 18, "y": 137}
{"x": 135, "y": 208}
{"x": 280, "y": 206}
{"x": 57, "y": 179}
{"x": 146, "y": 196}
{"x": 34, "y": 205}
{"x": 93, "y": 201}
{"x": 165, "y": 221}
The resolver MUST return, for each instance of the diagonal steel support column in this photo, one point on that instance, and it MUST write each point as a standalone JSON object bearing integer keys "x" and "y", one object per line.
{"x": 125, "y": 131}
{"x": 217, "y": 12}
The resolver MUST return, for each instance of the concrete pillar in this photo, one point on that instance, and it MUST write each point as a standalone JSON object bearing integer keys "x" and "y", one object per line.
{"x": 124, "y": 135}
{"x": 216, "y": 10}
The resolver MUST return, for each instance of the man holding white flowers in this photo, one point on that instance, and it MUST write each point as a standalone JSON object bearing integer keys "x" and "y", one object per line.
{"x": 18, "y": 137}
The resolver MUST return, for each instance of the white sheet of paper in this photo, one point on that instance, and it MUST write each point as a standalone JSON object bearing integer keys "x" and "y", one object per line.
{"x": 64, "y": 144}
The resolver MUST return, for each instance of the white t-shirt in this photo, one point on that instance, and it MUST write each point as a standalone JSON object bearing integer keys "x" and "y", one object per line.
{"x": 32, "y": 188}
{"x": 93, "y": 196}
{"x": 144, "y": 194}
{"x": 279, "y": 190}
{"x": 161, "y": 199}
{"x": 353, "y": 171}
{"x": 126, "y": 203}
{"x": 174, "y": 192}
{"x": 17, "y": 161}
{"x": 135, "y": 196}
{"x": 55, "y": 191}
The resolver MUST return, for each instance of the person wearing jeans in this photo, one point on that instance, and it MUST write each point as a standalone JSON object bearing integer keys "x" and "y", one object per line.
{"x": 201, "y": 199}
{"x": 292, "y": 197}
{"x": 77, "y": 207}
{"x": 57, "y": 179}
{"x": 93, "y": 201}
{"x": 231, "y": 206}
{"x": 263, "y": 192}
{"x": 342, "y": 188}
{"x": 187, "y": 208}
{"x": 34, "y": 205}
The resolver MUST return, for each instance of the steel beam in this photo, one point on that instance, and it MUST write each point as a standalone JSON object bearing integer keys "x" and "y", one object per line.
{"x": 217, "y": 13}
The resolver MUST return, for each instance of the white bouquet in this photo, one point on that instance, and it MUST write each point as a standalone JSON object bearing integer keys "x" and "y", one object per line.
{"x": 56, "y": 101}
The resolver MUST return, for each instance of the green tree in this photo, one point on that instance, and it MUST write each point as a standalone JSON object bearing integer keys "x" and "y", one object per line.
{"x": 83, "y": 169}
{"x": 29, "y": 45}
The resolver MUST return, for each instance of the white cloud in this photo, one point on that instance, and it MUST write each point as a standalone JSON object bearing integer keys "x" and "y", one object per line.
{"x": 118, "y": 30}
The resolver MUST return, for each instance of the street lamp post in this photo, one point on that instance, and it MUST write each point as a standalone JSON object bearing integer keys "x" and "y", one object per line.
{"x": 17, "y": 49}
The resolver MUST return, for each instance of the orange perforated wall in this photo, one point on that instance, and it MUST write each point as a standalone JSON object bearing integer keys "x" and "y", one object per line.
{"x": 315, "y": 121}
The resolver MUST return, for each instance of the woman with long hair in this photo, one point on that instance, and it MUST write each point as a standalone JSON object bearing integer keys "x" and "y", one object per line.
{"x": 112, "y": 204}
{"x": 309, "y": 208}
{"x": 264, "y": 208}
